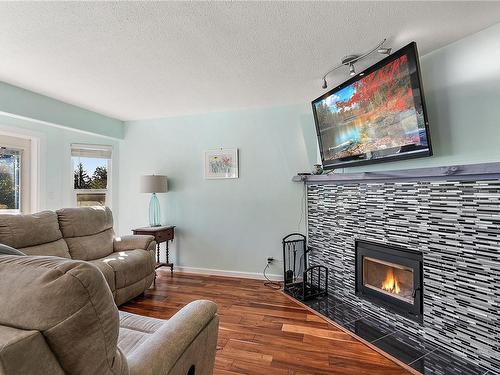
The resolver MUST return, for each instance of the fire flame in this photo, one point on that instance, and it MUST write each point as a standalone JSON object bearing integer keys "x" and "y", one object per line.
{"x": 391, "y": 283}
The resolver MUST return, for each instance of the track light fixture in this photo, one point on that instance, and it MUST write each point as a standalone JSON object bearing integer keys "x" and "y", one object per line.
{"x": 352, "y": 71}
{"x": 349, "y": 61}
{"x": 385, "y": 51}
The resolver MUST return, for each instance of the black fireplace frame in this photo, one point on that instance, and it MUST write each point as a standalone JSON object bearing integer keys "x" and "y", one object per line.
{"x": 399, "y": 255}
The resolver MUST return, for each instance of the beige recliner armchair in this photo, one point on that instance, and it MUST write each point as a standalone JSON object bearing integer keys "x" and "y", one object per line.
{"x": 57, "y": 316}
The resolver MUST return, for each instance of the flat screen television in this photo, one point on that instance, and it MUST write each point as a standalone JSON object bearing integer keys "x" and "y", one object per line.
{"x": 376, "y": 116}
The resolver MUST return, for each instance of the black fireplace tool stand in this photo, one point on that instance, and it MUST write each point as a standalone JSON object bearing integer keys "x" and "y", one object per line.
{"x": 302, "y": 282}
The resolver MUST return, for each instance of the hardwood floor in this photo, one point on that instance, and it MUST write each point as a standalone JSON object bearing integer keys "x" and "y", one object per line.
{"x": 261, "y": 330}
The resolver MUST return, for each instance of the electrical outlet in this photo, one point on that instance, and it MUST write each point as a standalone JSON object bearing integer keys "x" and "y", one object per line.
{"x": 270, "y": 260}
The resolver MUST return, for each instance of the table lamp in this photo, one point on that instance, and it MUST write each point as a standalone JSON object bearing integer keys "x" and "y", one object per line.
{"x": 154, "y": 184}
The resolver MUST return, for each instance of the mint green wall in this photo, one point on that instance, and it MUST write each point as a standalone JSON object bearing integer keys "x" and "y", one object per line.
{"x": 56, "y": 125}
{"x": 232, "y": 224}
{"x": 235, "y": 224}
{"x": 55, "y": 170}
{"x": 462, "y": 91}
{"x": 24, "y": 103}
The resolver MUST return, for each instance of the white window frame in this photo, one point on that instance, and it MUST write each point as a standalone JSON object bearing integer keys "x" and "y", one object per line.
{"x": 100, "y": 152}
{"x": 27, "y": 199}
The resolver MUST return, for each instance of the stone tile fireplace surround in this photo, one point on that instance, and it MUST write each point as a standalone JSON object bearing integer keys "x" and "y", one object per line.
{"x": 452, "y": 216}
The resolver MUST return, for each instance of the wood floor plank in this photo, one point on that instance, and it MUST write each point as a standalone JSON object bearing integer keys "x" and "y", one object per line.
{"x": 243, "y": 367}
{"x": 316, "y": 332}
{"x": 261, "y": 330}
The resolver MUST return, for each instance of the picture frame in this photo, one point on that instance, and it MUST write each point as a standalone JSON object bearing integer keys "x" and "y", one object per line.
{"x": 221, "y": 163}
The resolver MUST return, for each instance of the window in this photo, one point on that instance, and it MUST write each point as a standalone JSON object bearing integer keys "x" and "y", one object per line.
{"x": 91, "y": 175}
{"x": 14, "y": 174}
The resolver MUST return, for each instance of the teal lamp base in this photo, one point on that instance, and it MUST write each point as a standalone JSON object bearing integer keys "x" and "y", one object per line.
{"x": 154, "y": 211}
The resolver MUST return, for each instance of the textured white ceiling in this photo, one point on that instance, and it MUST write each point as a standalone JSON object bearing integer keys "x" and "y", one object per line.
{"x": 137, "y": 60}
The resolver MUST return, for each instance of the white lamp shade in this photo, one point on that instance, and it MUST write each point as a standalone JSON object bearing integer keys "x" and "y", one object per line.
{"x": 154, "y": 184}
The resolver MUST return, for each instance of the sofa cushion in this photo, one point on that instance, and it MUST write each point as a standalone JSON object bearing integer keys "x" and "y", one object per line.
{"x": 130, "y": 266}
{"x": 57, "y": 248}
{"x": 88, "y": 231}
{"x": 35, "y": 234}
{"x": 135, "y": 329}
{"x": 84, "y": 221}
{"x": 91, "y": 247}
{"x": 140, "y": 323}
{"x": 107, "y": 271}
{"x": 125, "y": 294}
{"x": 129, "y": 340}
{"x": 69, "y": 303}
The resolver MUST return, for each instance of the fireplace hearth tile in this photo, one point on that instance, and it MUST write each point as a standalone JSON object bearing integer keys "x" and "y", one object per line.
{"x": 411, "y": 349}
{"x": 439, "y": 362}
{"x": 325, "y": 304}
{"x": 417, "y": 342}
{"x": 370, "y": 328}
{"x": 399, "y": 345}
{"x": 347, "y": 313}
{"x": 339, "y": 311}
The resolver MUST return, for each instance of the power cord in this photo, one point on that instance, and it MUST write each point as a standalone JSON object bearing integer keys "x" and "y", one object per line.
{"x": 269, "y": 283}
{"x": 303, "y": 205}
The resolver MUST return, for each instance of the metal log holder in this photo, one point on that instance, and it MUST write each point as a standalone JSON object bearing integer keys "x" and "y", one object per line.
{"x": 300, "y": 281}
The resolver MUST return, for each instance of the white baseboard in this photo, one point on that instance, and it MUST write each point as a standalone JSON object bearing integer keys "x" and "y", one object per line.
{"x": 245, "y": 275}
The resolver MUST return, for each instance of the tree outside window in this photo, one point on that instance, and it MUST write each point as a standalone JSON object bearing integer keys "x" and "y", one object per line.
{"x": 9, "y": 179}
{"x": 90, "y": 180}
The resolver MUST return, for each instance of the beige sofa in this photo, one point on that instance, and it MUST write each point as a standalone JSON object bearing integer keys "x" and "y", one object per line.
{"x": 57, "y": 316}
{"x": 127, "y": 263}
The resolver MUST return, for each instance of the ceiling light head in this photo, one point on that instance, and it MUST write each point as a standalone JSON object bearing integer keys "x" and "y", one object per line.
{"x": 349, "y": 59}
{"x": 384, "y": 51}
{"x": 325, "y": 84}
{"x": 352, "y": 71}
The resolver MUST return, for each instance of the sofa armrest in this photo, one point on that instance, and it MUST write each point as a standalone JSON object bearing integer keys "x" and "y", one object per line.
{"x": 188, "y": 339}
{"x": 132, "y": 242}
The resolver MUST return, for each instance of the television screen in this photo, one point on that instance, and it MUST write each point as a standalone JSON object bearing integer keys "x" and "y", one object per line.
{"x": 378, "y": 115}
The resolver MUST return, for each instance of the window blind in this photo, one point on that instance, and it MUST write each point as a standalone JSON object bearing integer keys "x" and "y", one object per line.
{"x": 91, "y": 151}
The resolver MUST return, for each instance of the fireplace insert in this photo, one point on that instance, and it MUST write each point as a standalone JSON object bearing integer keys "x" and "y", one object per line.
{"x": 390, "y": 276}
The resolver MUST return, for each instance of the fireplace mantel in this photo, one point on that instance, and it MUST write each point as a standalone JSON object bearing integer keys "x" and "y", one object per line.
{"x": 465, "y": 172}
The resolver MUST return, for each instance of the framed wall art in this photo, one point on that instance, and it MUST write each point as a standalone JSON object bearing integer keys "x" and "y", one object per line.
{"x": 221, "y": 163}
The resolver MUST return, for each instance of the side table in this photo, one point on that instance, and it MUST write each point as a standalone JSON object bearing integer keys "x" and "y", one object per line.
{"x": 161, "y": 234}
